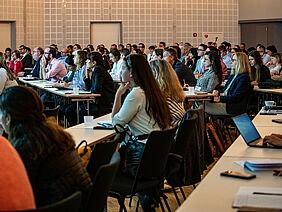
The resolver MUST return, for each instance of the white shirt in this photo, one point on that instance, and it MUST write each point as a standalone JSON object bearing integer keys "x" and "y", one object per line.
{"x": 5, "y": 82}
{"x": 133, "y": 114}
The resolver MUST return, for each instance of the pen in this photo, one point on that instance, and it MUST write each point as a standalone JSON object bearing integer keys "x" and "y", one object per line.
{"x": 266, "y": 193}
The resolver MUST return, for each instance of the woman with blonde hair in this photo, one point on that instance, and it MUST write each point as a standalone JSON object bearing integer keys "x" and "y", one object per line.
{"x": 170, "y": 87}
{"x": 235, "y": 95}
{"x": 7, "y": 77}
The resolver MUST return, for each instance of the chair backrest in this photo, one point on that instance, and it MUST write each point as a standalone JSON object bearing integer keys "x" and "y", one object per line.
{"x": 101, "y": 154}
{"x": 52, "y": 112}
{"x": 70, "y": 204}
{"x": 184, "y": 134}
{"x": 102, "y": 184}
{"x": 154, "y": 158}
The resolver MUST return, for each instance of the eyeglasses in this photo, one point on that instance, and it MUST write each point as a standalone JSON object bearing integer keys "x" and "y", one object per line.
{"x": 46, "y": 53}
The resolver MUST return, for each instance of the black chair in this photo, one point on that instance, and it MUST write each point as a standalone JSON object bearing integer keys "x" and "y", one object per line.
{"x": 101, "y": 154}
{"x": 102, "y": 184}
{"x": 183, "y": 166}
{"x": 54, "y": 112}
{"x": 69, "y": 204}
{"x": 150, "y": 172}
{"x": 225, "y": 120}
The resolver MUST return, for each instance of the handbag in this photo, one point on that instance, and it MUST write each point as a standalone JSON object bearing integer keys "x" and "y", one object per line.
{"x": 84, "y": 152}
{"x": 131, "y": 150}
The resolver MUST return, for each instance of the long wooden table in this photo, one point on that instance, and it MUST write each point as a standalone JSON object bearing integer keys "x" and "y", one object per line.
{"x": 68, "y": 94}
{"x": 216, "y": 193}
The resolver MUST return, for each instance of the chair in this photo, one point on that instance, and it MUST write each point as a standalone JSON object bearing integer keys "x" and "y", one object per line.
{"x": 224, "y": 120}
{"x": 101, "y": 154}
{"x": 183, "y": 166}
{"x": 102, "y": 183}
{"x": 70, "y": 204}
{"x": 150, "y": 172}
{"x": 52, "y": 112}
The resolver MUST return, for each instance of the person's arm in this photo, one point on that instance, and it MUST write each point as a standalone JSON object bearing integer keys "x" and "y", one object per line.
{"x": 98, "y": 77}
{"x": 117, "y": 102}
{"x": 3, "y": 79}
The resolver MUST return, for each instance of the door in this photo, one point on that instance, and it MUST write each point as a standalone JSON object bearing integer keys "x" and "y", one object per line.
{"x": 5, "y": 35}
{"x": 106, "y": 33}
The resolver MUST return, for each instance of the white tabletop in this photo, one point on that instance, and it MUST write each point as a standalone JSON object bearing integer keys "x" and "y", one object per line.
{"x": 272, "y": 90}
{"x": 92, "y": 136}
{"x": 215, "y": 193}
{"x": 266, "y": 120}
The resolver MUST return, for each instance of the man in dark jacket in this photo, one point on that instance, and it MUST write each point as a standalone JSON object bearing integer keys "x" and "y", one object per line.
{"x": 26, "y": 58}
{"x": 185, "y": 74}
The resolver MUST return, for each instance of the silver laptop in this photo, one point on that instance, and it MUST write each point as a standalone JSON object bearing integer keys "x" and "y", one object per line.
{"x": 249, "y": 132}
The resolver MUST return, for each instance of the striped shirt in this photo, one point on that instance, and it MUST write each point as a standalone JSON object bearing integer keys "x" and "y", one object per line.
{"x": 176, "y": 110}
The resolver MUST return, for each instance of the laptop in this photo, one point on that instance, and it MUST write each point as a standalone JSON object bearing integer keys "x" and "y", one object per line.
{"x": 249, "y": 132}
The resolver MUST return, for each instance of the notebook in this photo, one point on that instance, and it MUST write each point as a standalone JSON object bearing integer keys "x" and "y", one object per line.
{"x": 249, "y": 132}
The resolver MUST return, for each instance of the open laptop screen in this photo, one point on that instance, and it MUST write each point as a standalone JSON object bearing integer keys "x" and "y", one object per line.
{"x": 246, "y": 128}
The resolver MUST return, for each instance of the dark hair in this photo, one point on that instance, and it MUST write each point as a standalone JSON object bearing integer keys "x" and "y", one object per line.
{"x": 77, "y": 45}
{"x": 261, "y": 47}
{"x": 178, "y": 51}
{"x": 125, "y": 52}
{"x": 216, "y": 64}
{"x": 159, "y": 52}
{"x": 17, "y": 53}
{"x": 53, "y": 52}
{"x": 272, "y": 48}
{"x": 69, "y": 60}
{"x": 3, "y": 64}
{"x": 40, "y": 50}
{"x": 256, "y": 71}
{"x": 116, "y": 53}
{"x": 156, "y": 105}
{"x": 172, "y": 52}
{"x": 90, "y": 47}
{"x": 8, "y": 50}
{"x": 29, "y": 129}
{"x": 142, "y": 45}
{"x": 222, "y": 48}
{"x": 163, "y": 43}
{"x": 152, "y": 47}
{"x": 251, "y": 49}
{"x": 86, "y": 49}
{"x": 204, "y": 46}
{"x": 121, "y": 45}
{"x": 97, "y": 57}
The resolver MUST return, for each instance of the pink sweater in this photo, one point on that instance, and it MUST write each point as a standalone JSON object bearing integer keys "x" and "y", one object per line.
{"x": 15, "y": 189}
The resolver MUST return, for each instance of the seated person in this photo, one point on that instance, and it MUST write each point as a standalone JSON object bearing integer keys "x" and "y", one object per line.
{"x": 144, "y": 109}
{"x": 212, "y": 76}
{"x": 170, "y": 87}
{"x": 236, "y": 91}
{"x": 16, "y": 192}
{"x": 48, "y": 152}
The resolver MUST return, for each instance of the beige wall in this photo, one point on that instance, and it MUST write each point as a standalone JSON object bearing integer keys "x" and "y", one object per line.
{"x": 260, "y": 9}
{"x": 142, "y": 21}
{"x": 28, "y": 15}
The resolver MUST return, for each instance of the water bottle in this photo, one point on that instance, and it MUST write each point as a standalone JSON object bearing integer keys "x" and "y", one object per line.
{"x": 75, "y": 85}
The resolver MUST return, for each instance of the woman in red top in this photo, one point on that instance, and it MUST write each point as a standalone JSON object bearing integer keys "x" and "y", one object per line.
{"x": 16, "y": 63}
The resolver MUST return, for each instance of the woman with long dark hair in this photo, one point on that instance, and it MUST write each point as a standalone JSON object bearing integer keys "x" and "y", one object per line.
{"x": 259, "y": 72}
{"x": 48, "y": 152}
{"x": 144, "y": 109}
{"x": 7, "y": 77}
{"x": 212, "y": 77}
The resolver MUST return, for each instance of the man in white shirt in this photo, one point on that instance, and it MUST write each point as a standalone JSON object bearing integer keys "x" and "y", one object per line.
{"x": 200, "y": 62}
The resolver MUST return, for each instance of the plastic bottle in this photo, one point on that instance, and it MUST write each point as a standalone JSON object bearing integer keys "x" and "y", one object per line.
{"x": 75, "y": 85}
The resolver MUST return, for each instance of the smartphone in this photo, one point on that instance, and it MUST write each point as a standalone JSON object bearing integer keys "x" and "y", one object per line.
{"x": 236, "y": 174}
{"x": 277, "y": 121}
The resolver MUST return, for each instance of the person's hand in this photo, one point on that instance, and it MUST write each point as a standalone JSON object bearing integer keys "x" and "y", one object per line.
{"x": 254, "y": 83}
{"x": 123, "y": 88}
{"x": 273, "y": 139}
{"x": 21, "y": 74}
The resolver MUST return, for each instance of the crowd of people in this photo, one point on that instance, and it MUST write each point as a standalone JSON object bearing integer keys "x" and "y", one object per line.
{"x": 144, "y": 92}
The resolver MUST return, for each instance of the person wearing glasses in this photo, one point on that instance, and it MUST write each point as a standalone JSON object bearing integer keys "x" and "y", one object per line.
{"x": 265, "y": 57}
{"x": 200, "y": 68}
{"x": 26, "y": 58}
{"x": 55, "y": 70}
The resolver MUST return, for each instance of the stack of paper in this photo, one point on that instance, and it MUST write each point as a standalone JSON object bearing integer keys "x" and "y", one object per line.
{"x": 262, "y": 197}
{"x": 263, "y": 165}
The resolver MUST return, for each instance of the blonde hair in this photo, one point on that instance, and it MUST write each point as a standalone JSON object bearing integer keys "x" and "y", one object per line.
{"x": 243, "y": 65}
{"x": 167, "y": 79}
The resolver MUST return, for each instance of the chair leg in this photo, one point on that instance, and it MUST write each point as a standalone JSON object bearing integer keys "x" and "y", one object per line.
{"x": 165, "y": 201}
{"x": 137, "y": 206}
{"x": 182, "y": 192}
{"x": 176, "y": 196}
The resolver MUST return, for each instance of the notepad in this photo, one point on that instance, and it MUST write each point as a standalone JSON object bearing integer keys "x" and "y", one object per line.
{"x": 263, "y": 197}
{"x": 260, "y": 164}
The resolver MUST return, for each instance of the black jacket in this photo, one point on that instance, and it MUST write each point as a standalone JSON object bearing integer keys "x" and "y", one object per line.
{"x": 238, "y": 94}
{"x": 184, "y": 73}
{"x": 27, "y": 62}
